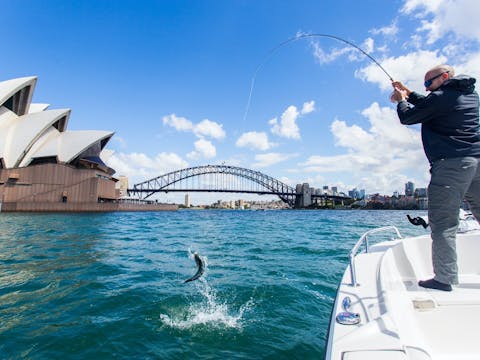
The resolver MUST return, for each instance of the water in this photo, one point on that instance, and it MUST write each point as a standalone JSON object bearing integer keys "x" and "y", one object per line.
{"x": 84, "y": 286}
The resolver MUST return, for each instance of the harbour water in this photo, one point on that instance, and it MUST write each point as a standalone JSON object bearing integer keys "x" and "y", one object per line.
{"x": 101, "y": 286}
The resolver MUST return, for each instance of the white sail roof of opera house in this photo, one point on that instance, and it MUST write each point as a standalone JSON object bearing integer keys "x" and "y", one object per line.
{"x": 68, "y": 145}
{"x": 29, "y": 131}
{"x": 18, "y": 90}
{"x": 19, "y": 134}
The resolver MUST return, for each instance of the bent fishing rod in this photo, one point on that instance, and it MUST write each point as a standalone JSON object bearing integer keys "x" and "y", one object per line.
{"x": 298, "y": 37}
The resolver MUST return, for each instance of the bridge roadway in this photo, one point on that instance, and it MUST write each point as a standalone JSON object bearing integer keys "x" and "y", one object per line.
{"x": 232, "y": 179}
{"x": 214, "y": 190}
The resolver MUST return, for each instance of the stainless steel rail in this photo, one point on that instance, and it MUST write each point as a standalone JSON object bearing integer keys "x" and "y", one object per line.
{"x": 364, "y": 238}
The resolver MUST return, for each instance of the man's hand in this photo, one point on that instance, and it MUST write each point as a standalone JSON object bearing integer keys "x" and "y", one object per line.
{"x": 398, "y": 85}
{"x": 398, "y": 95}
{"x": 400, "y": 92}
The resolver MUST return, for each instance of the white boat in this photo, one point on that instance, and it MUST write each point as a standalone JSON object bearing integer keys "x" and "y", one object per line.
{"x": 381, "y": 313}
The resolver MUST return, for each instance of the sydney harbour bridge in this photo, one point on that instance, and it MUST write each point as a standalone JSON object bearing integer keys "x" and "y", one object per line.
{"x": 229, "y": 179}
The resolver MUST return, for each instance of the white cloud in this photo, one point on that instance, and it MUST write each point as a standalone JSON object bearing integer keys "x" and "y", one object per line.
{"x": 389, "y": 30}
{"x": 254, "y": 140}
{"x": 265, "y": 160}
{"x": 353, "y": 54}
{"x": 384, "y": 155}
{"x": 209, "y": 129}
{"x": 345, "y": 134}
{"x": 140, "y": 167}
{"x": 470, "y": 66}
{"x": 324, "y": 57}
{"x": 368, "y": 45}
{"x": 178, "y": 123}
{"x": 451, "y": 24}
{"x": 409, "y": 68}
{"x": 203, "y": 149}
{"x": 106, "y": 154}
{"x": 378, "y": 157}
{"x": 308, "y": 107}
{"x": 289, "y": 181}
{"x": 439, "y": 17}
{"x": 287, "y": 127}
{"x": 425, "y": 5}
{"x": 205, "y": 128}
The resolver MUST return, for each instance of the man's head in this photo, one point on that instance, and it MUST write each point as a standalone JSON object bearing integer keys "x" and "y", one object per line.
{"x": 437, "y": 75}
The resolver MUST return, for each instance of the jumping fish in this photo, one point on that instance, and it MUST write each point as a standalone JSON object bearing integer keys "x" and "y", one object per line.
{"x": 200, "y": 270}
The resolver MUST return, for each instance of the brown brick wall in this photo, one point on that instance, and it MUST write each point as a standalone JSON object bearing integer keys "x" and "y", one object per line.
{"x": 50, "y": 182}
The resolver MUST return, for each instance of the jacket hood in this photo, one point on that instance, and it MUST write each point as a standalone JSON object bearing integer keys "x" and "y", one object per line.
{"x": 462, "y": 83}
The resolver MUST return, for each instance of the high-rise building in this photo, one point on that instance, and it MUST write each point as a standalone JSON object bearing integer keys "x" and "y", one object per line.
{"x": 187, "y": 200}
{"x": 356, "y": 194}
{"x": 409, "y": 188}
{"x": 362, "y": 194}
{"x": 420, "y": 192}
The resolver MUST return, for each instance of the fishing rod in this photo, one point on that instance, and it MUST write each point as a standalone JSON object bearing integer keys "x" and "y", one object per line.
{"x": 298, "y": 37}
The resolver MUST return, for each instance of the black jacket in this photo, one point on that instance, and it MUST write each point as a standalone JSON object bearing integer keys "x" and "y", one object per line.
{"x": 449, "y": 118}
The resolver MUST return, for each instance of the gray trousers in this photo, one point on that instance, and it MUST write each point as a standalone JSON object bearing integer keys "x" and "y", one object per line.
{"x": 452, "y": 180}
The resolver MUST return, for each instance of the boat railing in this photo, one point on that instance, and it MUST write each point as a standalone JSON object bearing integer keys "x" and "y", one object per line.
{"x": 364, "y": 239}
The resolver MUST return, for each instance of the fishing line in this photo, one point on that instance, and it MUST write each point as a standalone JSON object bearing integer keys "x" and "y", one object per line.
{"x": 272, "y": 51}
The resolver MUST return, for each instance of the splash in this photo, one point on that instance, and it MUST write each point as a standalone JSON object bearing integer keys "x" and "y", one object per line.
{"x": 211, "y": 312}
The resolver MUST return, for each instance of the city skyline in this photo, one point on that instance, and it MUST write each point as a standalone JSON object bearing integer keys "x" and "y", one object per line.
{"x": 410, "y": 191}
{"x": 173, "y": 80}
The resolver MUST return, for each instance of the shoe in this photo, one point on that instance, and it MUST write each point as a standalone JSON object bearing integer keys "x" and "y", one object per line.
{"x": 434, "y": 284}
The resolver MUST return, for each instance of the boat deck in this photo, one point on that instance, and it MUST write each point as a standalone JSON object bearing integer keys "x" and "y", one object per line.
{"x": 399, "y": 319}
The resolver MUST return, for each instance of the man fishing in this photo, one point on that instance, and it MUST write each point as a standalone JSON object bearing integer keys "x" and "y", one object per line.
{"x": 449, "y": 116}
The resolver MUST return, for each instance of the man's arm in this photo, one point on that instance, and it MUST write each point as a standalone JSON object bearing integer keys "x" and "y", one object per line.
{"x": 414, "y": 98}
{"x": 425, "y": 108}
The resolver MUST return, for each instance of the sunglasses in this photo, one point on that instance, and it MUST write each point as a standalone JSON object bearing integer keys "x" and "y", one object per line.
{"x": 429, "y": 82}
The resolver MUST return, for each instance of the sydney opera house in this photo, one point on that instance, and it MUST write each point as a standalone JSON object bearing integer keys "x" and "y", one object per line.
{"x": 44, "y": 166}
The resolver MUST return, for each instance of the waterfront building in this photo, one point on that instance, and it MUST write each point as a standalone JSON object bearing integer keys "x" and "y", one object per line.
{"x": 187, "y": 200}
{"x": 420, "y": 192}
{"x": 351, "y": 193}
{"x": 240, "y": 204}
{"x": 409, "y": 188}
{"x": 46, "y": 167}
{"x": 356, "y": 194}
{"x": 422, "y": 203}
{"x": 362, "y": 194}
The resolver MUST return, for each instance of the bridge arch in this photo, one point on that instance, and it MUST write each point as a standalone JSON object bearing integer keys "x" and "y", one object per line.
{"x": 264, "y": 184}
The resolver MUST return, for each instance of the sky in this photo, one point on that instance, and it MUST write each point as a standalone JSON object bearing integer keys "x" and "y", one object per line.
{"x": 190, "y": 83}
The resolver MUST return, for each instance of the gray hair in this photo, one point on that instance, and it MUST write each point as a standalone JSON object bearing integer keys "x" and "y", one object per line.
{"x": 443, "y": 68}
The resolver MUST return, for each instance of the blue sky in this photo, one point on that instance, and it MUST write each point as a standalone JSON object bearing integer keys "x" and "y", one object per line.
{"x": 172, "y": 79}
